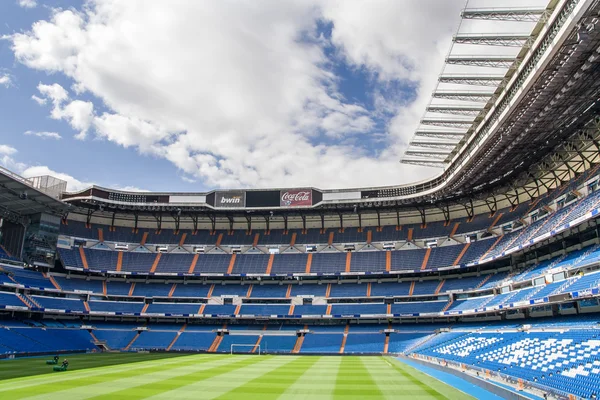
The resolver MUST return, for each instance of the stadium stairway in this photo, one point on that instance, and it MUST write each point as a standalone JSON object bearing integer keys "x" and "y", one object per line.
{"x": 343, "y": 345}
{"x": 215, "y": 344}
{"x": 484, "y": 281}
{"x": 256, "y": 344}
{"x": 32, "y": 301}
{"x": 137, "y": 335}
{"x": 176, "y": 337}
{"x": 52, "y": 280}
{"x": 83, "y": 257}
{"x": 298, "y": 344}
{"x": 24, "y": 300}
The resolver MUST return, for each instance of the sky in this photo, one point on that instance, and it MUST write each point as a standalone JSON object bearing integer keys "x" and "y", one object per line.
{"x": 191, "y": 96}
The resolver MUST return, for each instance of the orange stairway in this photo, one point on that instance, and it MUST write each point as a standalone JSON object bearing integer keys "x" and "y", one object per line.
{"x": 462, "y": 253}
{"x": 344, "y": 338}
{"x": 193, "y": 264}
{"x": 176, "y": 336}
{"x": 386, "y": 344}
{"x": 83, "y": 258}
{"x": 298, "y": 345}
{"x": 215, "y": 344}
{"x": 137, "y": 335}
{"x": 426, "y": 258}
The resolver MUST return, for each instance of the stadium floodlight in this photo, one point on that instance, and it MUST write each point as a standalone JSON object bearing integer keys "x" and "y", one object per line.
{"x": 234, "y": 345}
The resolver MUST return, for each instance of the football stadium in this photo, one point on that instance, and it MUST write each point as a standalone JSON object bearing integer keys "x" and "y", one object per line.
{"x": 480, "y": 282}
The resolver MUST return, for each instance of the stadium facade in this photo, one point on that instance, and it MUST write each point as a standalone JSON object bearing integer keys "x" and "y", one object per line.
{"x": 500, "y": 251}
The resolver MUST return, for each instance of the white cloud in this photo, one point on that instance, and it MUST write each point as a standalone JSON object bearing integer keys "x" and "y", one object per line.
{"x": 7, "y": 150}
{"x": 187, "y": 179}
{"x": 44, "y": 135}
{"x": 79, "y": 114}
{"x": 27, "y": 3}
{"x": 249, "y": 105}
{"x": 38, "y": 100}
{"x": 56, "y": 93}
{"x": 5, "y": 80}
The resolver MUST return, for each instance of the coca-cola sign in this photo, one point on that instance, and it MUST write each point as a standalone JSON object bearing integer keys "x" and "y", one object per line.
{"x": 296, "y": 198}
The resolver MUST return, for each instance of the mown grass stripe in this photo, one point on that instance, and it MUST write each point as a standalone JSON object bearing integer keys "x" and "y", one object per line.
{"x": 317, "y": 382}
{"x": 27, "y": 367}
{"x": 218, "y": 385}
{"x": 270, "y": 386}
{"x": 151, "y": 387}
{"x": 419, "y": 379}
{"x": 392, "y": 385}
{"x": 101, "y": 376}
{"x": 56, "y": 378}
{"x": 354, "y": 382}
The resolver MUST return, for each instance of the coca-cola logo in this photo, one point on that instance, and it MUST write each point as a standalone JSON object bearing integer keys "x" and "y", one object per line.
{"x": 293, "y": 198}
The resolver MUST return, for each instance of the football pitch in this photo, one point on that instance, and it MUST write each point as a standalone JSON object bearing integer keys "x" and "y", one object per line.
{"x": 210, "y": 376}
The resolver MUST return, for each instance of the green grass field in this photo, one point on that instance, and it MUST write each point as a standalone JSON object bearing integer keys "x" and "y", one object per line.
{"x": 209, "y": 376}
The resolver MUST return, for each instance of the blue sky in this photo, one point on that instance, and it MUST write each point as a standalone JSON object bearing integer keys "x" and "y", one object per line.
{"x": 317, "y": 92}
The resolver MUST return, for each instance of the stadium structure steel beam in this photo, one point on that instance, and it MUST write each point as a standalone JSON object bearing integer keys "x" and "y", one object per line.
{"x": 248, "y": 222}
{"x": 231, "y": 221}
{"x": 449, "y": 135}
{"x": 88, "y": 219}
{"x": 446, "y": 211}
{"x": 524, "y": 14}
{"x": 194, "y": 219}
{"x": 427, "y": 153}
{"x": 158, "y": 218}
{"x": 473, "y": 80}
{"x": 482, "y": 61}
{"x": 455, "y": 110}
{"x": 469, "y": 95}
{"x": 444, "y": 145}
{"x": 511, "y": 40}
{"x": 447, "y": 123}
{"x": 176, "y": 219}
{"x": 136, "y": 218}
{"x": 423, "y": 162}
{"x": 423, "y": 216}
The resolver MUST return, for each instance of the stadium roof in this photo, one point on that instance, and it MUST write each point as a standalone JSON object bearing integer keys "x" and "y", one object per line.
{"x": 454, "y": 94}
